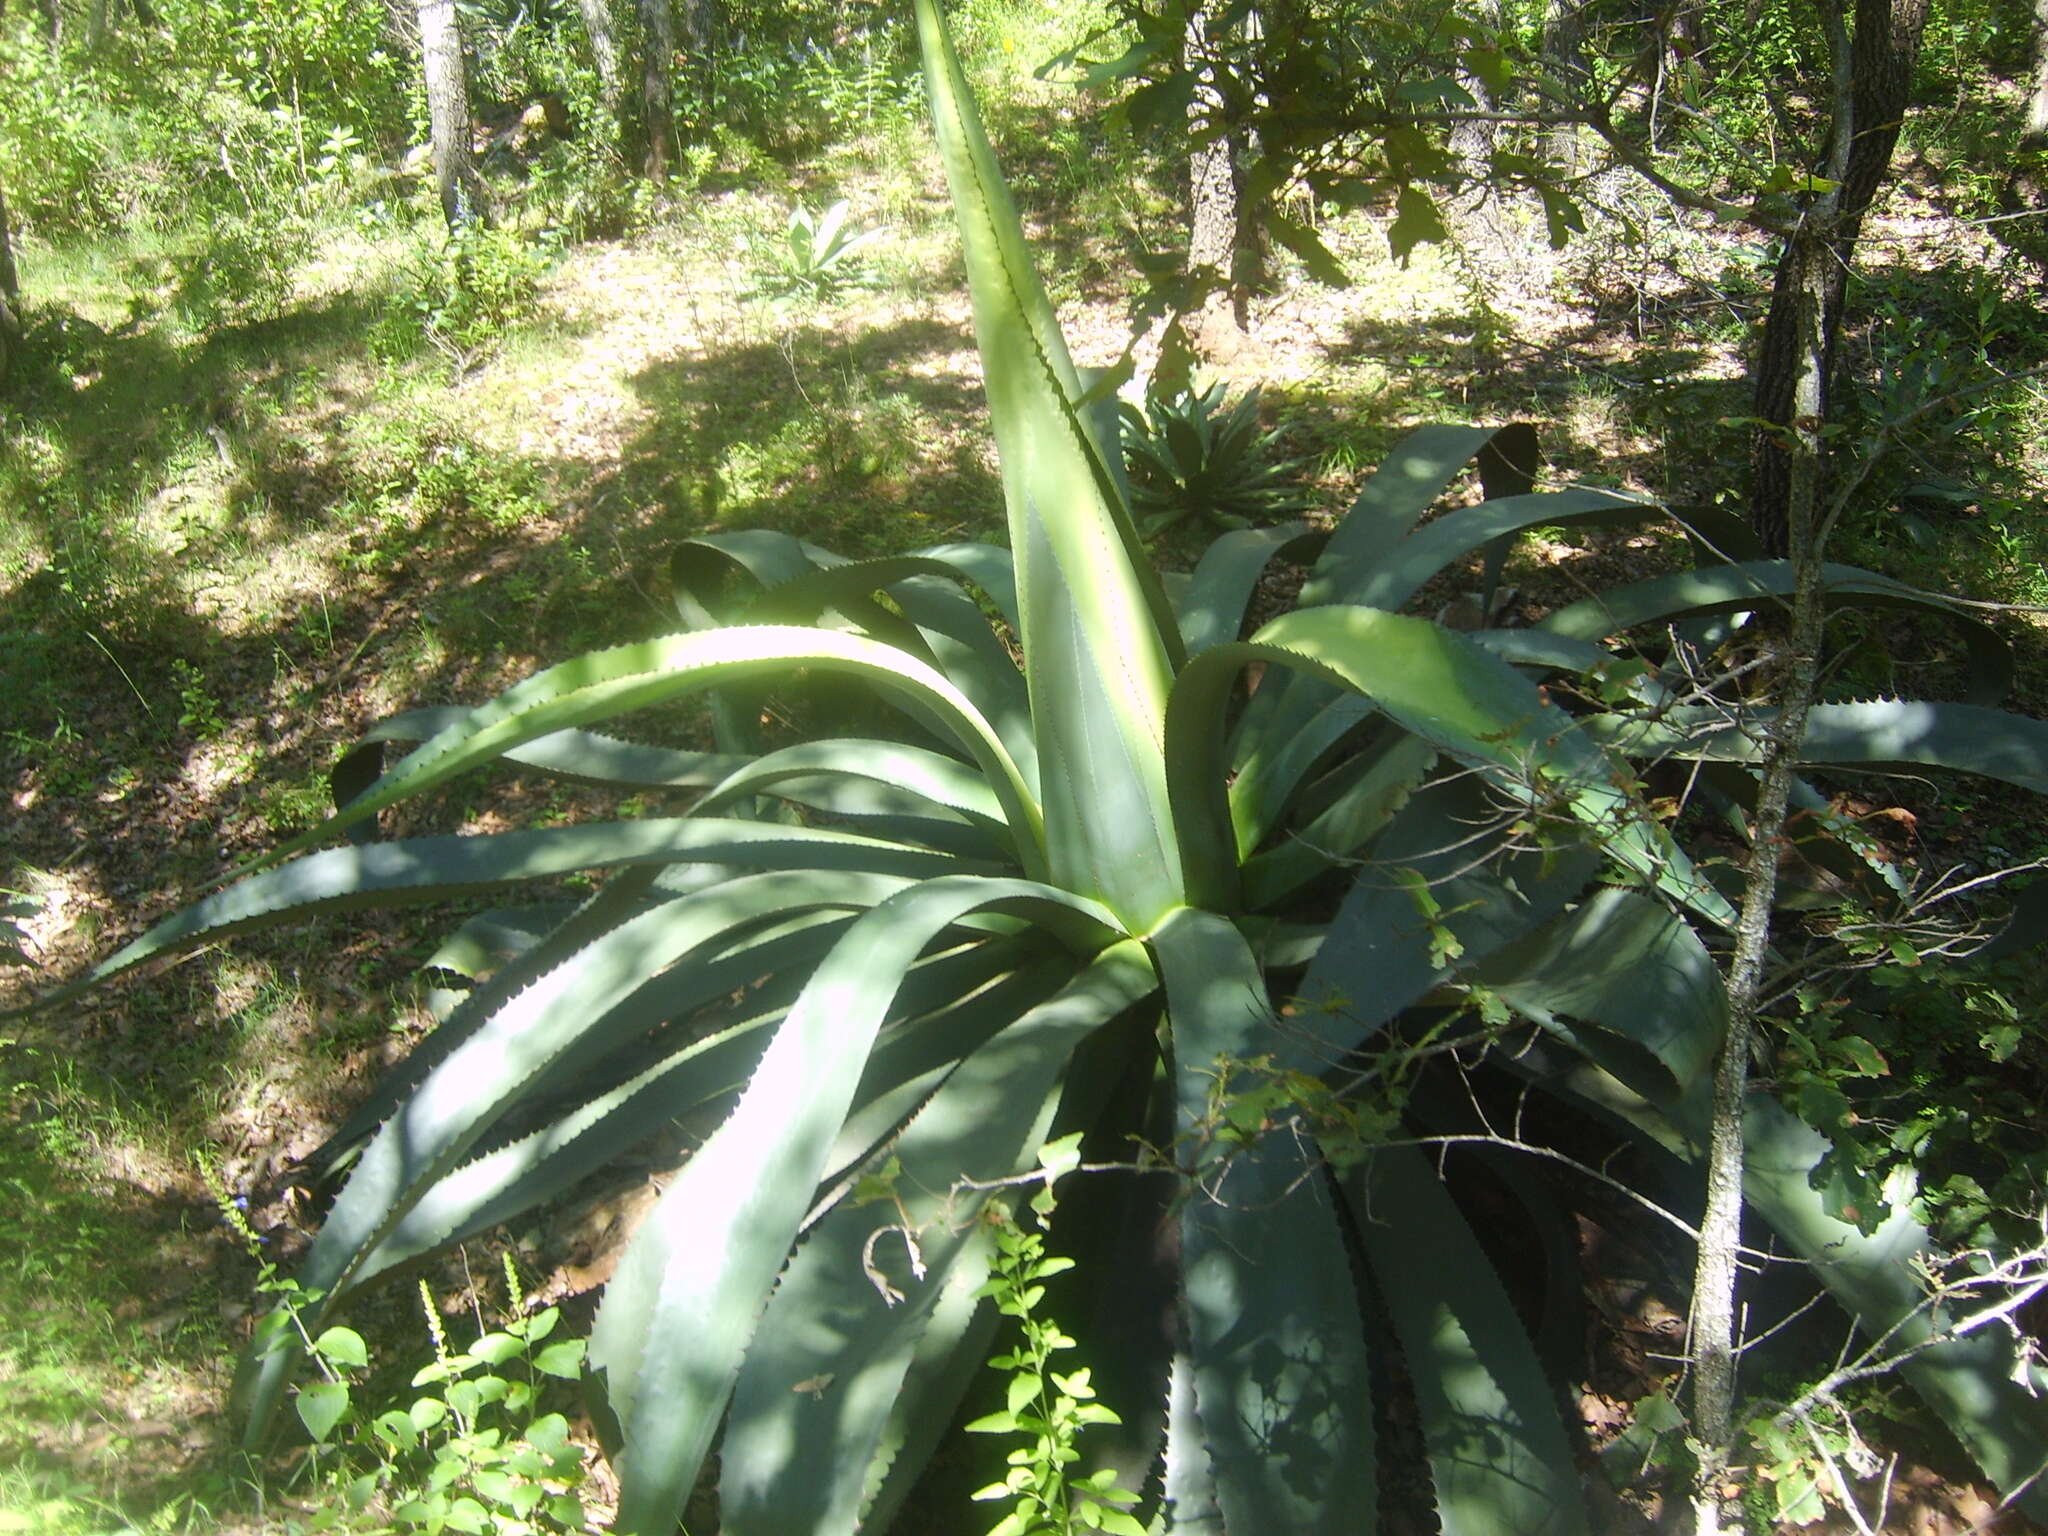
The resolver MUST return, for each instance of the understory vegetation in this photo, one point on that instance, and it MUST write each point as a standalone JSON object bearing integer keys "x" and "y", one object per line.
{"x": 796, "y": 822}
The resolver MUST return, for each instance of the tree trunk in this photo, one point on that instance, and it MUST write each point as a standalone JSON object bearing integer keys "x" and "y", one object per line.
{"x": 601, "y": 30}
{"x": 657, "y": 84}
{"x": 700, "y": 40}
{"x": 10, "y": 296}
{"x": 450, "y": 128}
{"x": 1878, "y": 88}
{"x": 1563, "y": 55}
{"x": 1215, "y": 188}
{"x": 10, "y": 279}
{"x": 1715, "y": 1348}
{"x": 2037, "y": 102}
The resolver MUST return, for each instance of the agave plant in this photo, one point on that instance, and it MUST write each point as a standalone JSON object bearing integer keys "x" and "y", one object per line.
{"x": 1087, "y": 892}
{"x": 819, "y": 253}
{"x": 1188, "y": 456}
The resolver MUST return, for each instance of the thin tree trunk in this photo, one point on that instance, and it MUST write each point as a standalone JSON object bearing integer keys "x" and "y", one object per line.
{"x": 1215, "y": 189}
{"x": 449, "y": 125}
{"x": 2037, "y": 102}
{"x": 1877, "y": 80}
{"x": 657, "y": 84}
{"x": 700, "y": 40}
{"x": 1563, "y": 54}
{"x": 602, "y": 31}
{"x": 53, "y": 23}
{"x": 1714, "y": 1345}
{"x": 10, "y": 279}
{"x": 10, "y": 296}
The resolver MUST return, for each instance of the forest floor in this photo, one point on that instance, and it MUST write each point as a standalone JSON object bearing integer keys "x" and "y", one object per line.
{"x": 226, "y": 551}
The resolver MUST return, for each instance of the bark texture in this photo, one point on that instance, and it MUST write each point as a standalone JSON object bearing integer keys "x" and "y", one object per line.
{"x": 657, "y": 84}
{"x": 1212, "y": 163}
{"x": 1715, "y": 1348}
{"x": 1222, "y": 262}
{"x": 450, "y": 128}
{"x": 1876, "y": 91}
{"x": 603, "y": 33}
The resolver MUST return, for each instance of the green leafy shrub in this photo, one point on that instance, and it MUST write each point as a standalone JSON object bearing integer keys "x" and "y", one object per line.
{"x": 1085, "y": 873}
{"x": 1187, "y": 456}
{"x": 461, "y": 294}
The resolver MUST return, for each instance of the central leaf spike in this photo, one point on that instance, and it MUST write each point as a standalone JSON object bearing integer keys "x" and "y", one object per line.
{"x": 1100, "y": 645}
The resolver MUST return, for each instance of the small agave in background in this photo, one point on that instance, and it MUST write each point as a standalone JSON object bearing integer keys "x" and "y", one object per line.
{"x": 818, "y": 255}
{"x": 1190, "y": 455}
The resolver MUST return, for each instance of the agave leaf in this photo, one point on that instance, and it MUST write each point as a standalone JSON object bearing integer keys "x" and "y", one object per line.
{"x": 686, "y": 1298}
{"x": 715, "y": 577}
{"x": 1376, "y": 789}
{"x": 945, "y": 624}
{"x": 1874, "y": 732}
{"x": 1762, "y": 583}
{"x": 442, "y": 868}
{"x": 1497, "y": 1450}
{"x": 1418, "y": 470}
{"x": 605, "y": 683}
{"x": 923, "y": 781}
{"x": 1440, "y": 687}
{"x": 712, "y": 1067}
{"x": 793, "y": 1460}
{"x": 585, "y": 755}
{"x": 502, "y": 1060}
{"x": 1407, "y": 568}
{"x": 951, "y": 1351}
{"x": 1273, "y": 769}
{"x": 481, "y": 945}
{"x": 916, "y": 1058}
{"x": 823, "y": 244}
{"x": 1408, "y": 481}
{"x": 1975, "y": 1384}
{"x": 793, "y": 598}
{"x": 1212, "y": 609}
{"x": 1625, "y": 964}
{"x": 1099, "y": 640}
{"x": 1188, "y": 1505}
{"x": 1274, "y": 1331}
{"x": 625, "y": 895}
{"x": 1384, "y": 953}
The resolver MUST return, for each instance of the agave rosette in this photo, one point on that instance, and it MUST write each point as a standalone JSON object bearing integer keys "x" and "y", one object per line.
{"x": 1074, "y": 895}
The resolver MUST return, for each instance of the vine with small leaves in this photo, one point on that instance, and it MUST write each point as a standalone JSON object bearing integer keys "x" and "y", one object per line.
{"x": 1048, "y": 1408}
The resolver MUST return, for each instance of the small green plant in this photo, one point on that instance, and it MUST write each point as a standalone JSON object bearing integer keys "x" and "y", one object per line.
{"x": 461, "y": 295}
{"x": 198, "y": 709}
{"x": 1189, "y": 456}
{"x": 817, "y": 256}
{"x": 1047, "y": 1407}
{"x": 470, "y": 1453}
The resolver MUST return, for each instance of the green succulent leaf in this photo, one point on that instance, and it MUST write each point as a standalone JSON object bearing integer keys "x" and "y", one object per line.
{"x": 833, "y": 1314}
{"x": 1099, "y": 639}
{"x": 628, "y": 677}
{"x": 1276, "y": 1352}
{"x": 1497, "y": 1449}
{"x": 686, "y": 1298}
